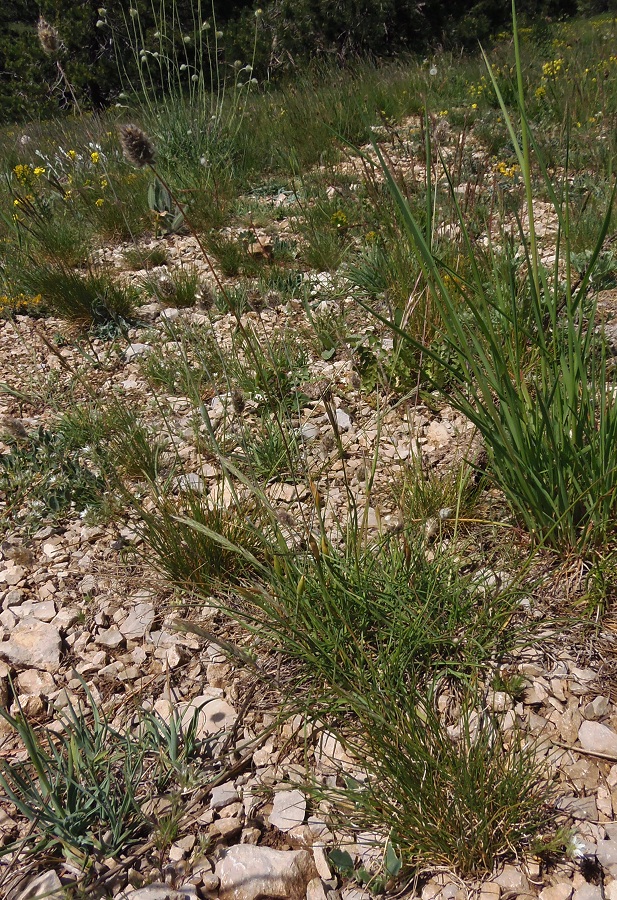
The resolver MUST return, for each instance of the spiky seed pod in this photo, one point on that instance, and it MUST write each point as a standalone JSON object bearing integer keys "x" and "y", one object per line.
{"x": 166, "y": 286}
{"x": 137, "y": 147}
{"x": 49, "y": 37}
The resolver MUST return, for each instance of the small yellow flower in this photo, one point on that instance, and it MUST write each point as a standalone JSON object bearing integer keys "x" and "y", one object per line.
{"x": 339, "y": 219}
{"x": 22, "y": 173}
{"x": 99, "y": 202}
{"x": 474, "y": 105}
{"x": 95, "y": 157}
{"x": 552, "y": 69}
{"x": 16, "y": 202}
{"x": 104, "y": 183}
{"x": 72, "y": 154}
{"x": 40, "y": 170}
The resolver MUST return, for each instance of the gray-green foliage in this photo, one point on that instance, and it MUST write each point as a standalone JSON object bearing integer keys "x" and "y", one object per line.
{"x": 78, "y": 787}
{"x": 170, "y": 218}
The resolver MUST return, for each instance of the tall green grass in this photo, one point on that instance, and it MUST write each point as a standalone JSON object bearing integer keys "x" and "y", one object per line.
{"x": 529, "y": 366}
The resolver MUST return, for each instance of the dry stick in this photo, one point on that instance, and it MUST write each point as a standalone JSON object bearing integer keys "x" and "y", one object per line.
{"x": 609, "y": 757}
{"x": 70, "y": 87}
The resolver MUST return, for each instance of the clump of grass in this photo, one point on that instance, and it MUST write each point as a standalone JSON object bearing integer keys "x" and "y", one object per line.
{"x": 136, "y": 258}
{"x": 527, "y": 369}
{"x": 186, "y": 553}
{"x": 427, "y": 495}
{"x": 271, "y": 451}
{"x": 380, "y": 636}
{"x": 465, "y": 802}
{"x": 86, "y": 299}
{"x": 272, "y": 374}
{"x": 179, "y": 288}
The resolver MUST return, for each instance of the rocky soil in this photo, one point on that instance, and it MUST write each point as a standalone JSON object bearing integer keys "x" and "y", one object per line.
{"x": 78, "y": 608}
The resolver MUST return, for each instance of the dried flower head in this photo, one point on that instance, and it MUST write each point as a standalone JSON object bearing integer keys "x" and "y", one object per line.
{"x": 205, "y": 296}
{"x": 237, "y": 399}
{"x": 137, "y": 147}
{"x": 49, "y": 37}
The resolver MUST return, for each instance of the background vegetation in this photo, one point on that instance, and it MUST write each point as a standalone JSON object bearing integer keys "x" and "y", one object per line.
{"x": 98, "y": 36}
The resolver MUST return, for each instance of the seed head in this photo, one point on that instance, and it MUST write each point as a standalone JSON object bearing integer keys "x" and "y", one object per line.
{"x": 49, "y": 37}
{"x": 137, "y": 147}
{"x": 237, "y": 399}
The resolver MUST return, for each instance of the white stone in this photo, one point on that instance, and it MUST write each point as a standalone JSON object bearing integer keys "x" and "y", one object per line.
{"x": 158, "y": 891}
{"x": 512, "y": 879}
{"x": 169, "y": 314}
{"x": 13, "y": 575}
{"x": 598, "y": 708}
{"x": 134, "y": 350}
{"x": 588, "y": 892}
{"x": 598, "y": 738}
{"x": 215, "y": 715}
{"x": 247, "y": 872}
{"x": 33, "y": 644}
{"x": 342, "y": 420}
{"x": 561, "y": 891}
{"x": 66, "y": 617}
{"x": 309, "y": 431}
{"x": 330, "y": 754}
{"x": 606, "y": 853}
{"x": 610, "y": 890}
{"x": 223, "y": 794}
{"x": 46, "y": 885}
{"x": 288, "y": 810}
{"x": 189, "y": 482}
{"x": 438, "y": 433}
{"x": 138, "y": 622}
{"x": 43, "y": 611}
{"x": 315, "y": 890}
{"x": 579, "y": 807}
{"x": 35, "y": 683}
{"x": 110, "y": 638}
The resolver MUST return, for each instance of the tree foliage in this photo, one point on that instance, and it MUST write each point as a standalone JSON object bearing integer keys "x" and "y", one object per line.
{"x": 290, "y": 32}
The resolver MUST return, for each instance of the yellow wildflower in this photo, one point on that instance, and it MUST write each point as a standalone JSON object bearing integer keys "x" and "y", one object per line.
{"x": 72, "y": 154}
{"x": 99, "y": 202}
{"x": 95, "y": 157}
{"x": 22, "y": 173}
{"x": 40, "y": 170}
{"x": 552, "y": 69}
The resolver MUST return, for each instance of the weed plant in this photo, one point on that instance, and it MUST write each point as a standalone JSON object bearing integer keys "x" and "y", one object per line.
{"x": 529, "y": 368}
{"x": 85, "y": 789}
{"x": 271, "y": 452}
{"x": 45, "y": 474}
{"x": 77, "y": 788}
